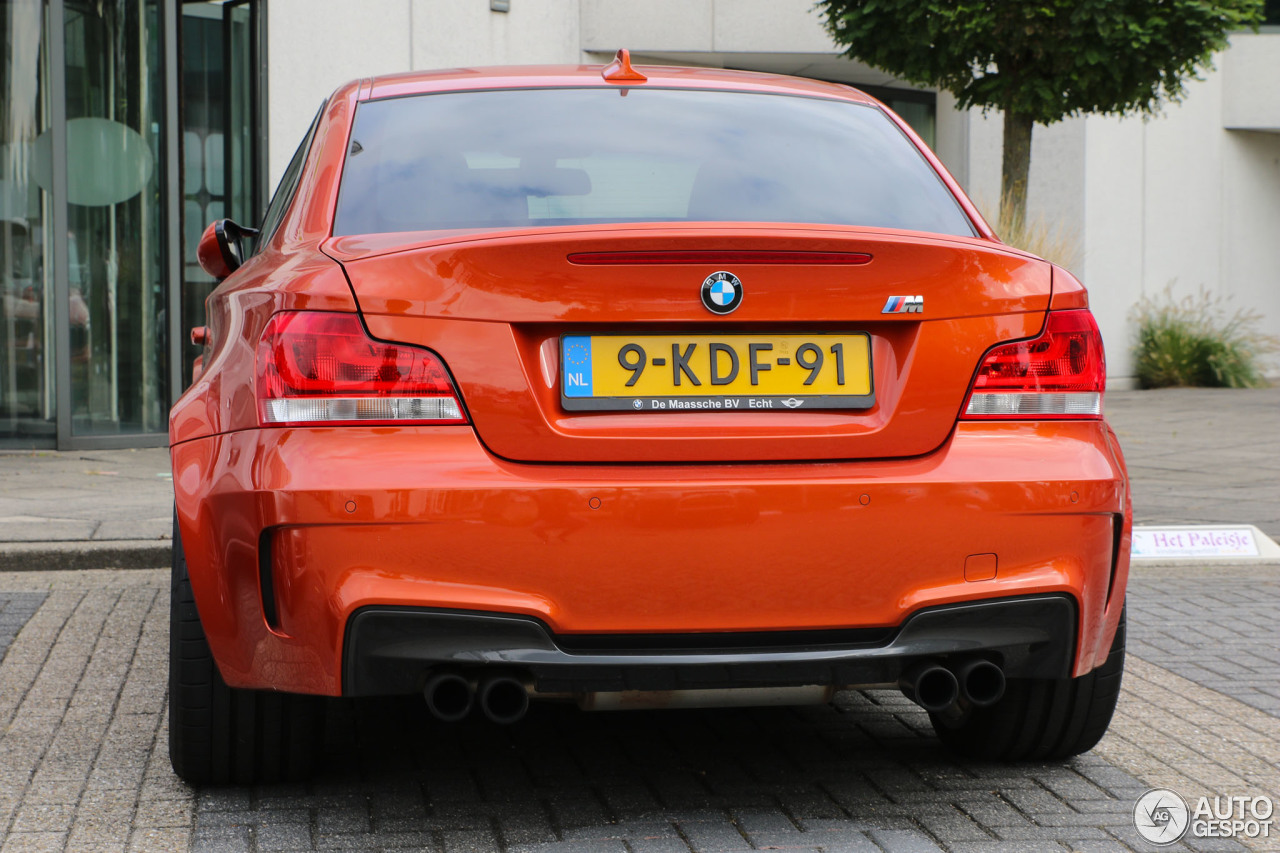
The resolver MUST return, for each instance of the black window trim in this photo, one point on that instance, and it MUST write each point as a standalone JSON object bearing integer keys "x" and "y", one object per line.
{"x": 283, "y": 196}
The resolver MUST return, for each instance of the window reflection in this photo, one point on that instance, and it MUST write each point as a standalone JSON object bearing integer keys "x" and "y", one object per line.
{"x": 217, "y": 139}
{"x": 116, "y": 249}
{"x": 26, "y": 363}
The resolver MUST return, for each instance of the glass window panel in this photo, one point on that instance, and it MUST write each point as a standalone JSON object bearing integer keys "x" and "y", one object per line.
{"x": 214, "y": 164}
{"x": 656, "y": 155}
{"x": 922, "y": 118}
{"x": 192, "y": 163}
{"x": 203, "y": 96}
{"x": 114, "y": 103}
{"x": 193, "y": 226}
{"x": 27, "y": 398}
{"x": 239, "y": 131}
{"x": 218, "y": 94}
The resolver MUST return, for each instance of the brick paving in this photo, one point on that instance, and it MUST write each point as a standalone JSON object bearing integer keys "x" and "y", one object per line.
{"x": 15, "y": 609}
{"x": 83, "y": 762}
{"x": 1201, "y": 455}
{"x": 81, "y": 711}
{"x": 1234, "y": 647}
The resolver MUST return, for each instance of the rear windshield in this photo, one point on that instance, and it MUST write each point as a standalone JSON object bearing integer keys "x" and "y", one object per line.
{"x": 549, "y": 157}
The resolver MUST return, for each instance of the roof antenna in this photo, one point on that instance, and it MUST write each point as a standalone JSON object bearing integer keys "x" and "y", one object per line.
{"x": 620, "y": 70}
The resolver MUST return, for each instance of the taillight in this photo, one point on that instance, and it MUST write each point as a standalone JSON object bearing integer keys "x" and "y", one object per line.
{"x": 1060, "y": 374}
{"x": 322, "y": 368}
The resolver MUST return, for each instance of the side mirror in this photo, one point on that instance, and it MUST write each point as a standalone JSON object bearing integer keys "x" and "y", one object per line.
{"x": 221, "y": 247}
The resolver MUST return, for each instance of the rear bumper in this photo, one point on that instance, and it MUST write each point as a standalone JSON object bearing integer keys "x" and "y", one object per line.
{"x": 391, "y": 650}
{"x": 290, "y": 533}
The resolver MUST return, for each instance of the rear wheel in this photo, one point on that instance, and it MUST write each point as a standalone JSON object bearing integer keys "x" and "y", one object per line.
{"x": 1041, "y": 719}
{"x": 219, "y": 734}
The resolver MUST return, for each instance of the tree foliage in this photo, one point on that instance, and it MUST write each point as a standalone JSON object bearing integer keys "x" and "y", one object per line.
{"x": 1048, "y": 59}
{"x": 1041, "y": 60}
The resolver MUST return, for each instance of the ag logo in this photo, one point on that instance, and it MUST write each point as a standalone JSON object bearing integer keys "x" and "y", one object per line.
{"x": 1161, "y": 816}
{"x": 721, "y": 292}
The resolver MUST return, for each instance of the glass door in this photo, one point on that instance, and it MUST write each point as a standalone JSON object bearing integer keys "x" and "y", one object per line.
{"x": 116, "y": 236}
{"x": 28, "y": 404}
{"x": 220, "y": 136}
{"x": 98, "y": 281}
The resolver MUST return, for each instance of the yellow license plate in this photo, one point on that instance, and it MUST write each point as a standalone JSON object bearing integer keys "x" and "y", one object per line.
{"x": 737, "y": 372}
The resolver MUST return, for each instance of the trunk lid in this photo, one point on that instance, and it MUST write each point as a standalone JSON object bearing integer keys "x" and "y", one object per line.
{"x": 494, "y": 307}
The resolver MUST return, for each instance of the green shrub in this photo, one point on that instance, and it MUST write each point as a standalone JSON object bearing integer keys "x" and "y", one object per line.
{"x": 1195, "y": 341}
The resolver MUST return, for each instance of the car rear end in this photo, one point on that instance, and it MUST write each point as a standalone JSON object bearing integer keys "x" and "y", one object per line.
{"x": 697, "y": 390}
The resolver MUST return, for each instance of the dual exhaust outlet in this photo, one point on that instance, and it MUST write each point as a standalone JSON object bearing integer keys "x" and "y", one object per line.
{"x": 975, "y": 683}
{"x": 450, "y": 697}
{"x": 504, "y": 699}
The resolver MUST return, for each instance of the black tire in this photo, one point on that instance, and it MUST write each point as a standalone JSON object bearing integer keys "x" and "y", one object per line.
{"x": 1041, "y": 719}
{"x": 221, "y": 735}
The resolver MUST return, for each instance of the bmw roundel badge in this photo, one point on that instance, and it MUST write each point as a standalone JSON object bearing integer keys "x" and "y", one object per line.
{"x": 722, "y": 292}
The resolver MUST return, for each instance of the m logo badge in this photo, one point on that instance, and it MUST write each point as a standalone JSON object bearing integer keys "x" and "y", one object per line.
{"x": 904, "y": 305}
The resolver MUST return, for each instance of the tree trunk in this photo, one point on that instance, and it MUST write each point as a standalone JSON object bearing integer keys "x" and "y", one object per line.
{"x": 1017, "y": 166}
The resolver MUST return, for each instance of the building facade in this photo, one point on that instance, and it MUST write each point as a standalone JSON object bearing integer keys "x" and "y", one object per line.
{"x": 123, "y": 125}
{"x": 127, "y": 125}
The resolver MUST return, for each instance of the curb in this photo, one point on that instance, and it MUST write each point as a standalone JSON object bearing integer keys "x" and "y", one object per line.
{"x": 109, "y": 554}
{"x": 1267, "y": 551}
{"x": 1192, "y": 563}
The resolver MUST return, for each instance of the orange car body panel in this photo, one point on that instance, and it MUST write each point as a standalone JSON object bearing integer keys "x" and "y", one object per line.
{"x": 425, "y": 516}
{"x": 626, "y": 523}
{"x": 462, "y": 292}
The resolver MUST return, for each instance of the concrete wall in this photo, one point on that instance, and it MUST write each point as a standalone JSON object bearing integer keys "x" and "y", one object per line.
{"x": 723, "y": 26}
{"x": 308, "y": 56}
{"x": 1178, "y": 201}
{"x": 454, "y": 33}
{"x": 1251, "y": 82}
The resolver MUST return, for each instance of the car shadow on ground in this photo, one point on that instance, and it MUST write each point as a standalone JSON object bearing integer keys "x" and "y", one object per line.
{"x": 864, "y": 769}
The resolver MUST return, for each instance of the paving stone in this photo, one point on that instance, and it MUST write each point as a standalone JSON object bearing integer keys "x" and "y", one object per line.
{"x": 650, "y": 845}
{"x": 712, "y": 837}
{"x": 854, "y": 843}
{"x": 43, "y": 818}
{"x": 281, "y": 836}
{"x": 16, "y": 609}
{"x": 898, "y": 841}
{"x": 221, "y": 839}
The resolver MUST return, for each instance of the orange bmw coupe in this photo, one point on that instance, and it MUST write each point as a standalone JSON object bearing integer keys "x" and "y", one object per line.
{"x": 636, "y": 387}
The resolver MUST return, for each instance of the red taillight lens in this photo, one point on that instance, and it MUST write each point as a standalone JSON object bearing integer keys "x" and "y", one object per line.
{"x": 321, "y": 368}
{"x": 1060, "y": 374}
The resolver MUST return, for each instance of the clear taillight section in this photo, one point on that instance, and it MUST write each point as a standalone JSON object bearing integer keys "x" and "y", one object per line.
{"x": 1060, "y": 374}
{"x": 316, "y": 368}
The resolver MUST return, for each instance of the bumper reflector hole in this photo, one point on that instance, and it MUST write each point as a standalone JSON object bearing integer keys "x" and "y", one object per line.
{"x": 980, "y": 567}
